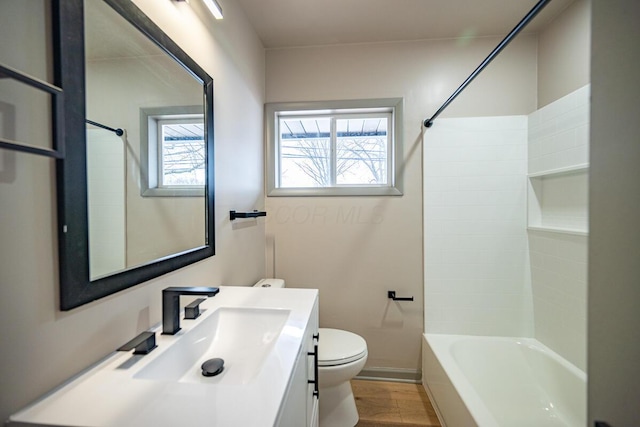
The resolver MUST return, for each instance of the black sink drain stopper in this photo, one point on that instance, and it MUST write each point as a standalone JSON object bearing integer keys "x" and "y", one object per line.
{"x": 212, "y": 367}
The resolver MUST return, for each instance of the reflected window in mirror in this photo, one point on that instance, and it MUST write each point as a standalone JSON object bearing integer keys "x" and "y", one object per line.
{"x": 182, "y": 156}
{"x": 172, "y": 148}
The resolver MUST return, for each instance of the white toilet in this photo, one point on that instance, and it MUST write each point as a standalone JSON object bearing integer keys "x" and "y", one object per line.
{"x": 341, "y": 356}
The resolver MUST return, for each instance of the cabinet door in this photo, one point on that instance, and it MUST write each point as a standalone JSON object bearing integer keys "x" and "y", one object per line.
{"x": 300, "y": 405}
{"x": 294, "y": 409}
{"x": 312, "y": 339}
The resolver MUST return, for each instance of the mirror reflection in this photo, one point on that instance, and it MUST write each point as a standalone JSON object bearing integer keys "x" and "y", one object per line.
{"x": 146, "y": 187}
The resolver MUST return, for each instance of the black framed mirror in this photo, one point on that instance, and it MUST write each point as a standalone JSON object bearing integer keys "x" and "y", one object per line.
{"x": 123, "y": 73}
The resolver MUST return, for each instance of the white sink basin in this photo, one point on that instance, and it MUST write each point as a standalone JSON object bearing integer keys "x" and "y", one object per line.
{"x": 242, "y": 337}
{"x": 257, "y": 331}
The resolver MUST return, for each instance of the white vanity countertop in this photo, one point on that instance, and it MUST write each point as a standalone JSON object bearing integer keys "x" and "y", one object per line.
{"x": 107, "y": 394}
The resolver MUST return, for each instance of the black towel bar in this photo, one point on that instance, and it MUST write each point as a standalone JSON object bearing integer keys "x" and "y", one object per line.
{"x": 233, "y": 214}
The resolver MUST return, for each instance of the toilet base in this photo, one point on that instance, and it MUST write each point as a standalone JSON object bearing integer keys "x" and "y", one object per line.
{"x": 338, "y": 406}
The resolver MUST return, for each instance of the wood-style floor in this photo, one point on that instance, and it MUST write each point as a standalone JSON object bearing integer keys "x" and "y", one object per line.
{"x": 390, "y": 404}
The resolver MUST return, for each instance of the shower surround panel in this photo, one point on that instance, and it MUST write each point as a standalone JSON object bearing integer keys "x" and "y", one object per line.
{"x": 477, "y": 278}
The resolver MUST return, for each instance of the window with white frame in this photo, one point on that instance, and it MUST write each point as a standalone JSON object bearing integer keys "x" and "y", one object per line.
{"x": 173, "y": 151}
{"x": 334, "y": 148}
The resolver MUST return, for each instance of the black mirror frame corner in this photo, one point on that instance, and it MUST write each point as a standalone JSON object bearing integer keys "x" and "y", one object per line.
{"x": 76, "y": 286}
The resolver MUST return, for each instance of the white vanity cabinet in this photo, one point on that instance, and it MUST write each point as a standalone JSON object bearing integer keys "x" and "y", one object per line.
{"x": 265, "y": 337}
{"x": 300, "y": 405}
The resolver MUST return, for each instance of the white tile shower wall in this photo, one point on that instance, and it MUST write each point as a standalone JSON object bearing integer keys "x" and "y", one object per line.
{"x": 477, "y": 278}
{"x": 559, "y": 282}
{"x": 559, "y": 138}
{"x": 106, "y": 199}
{"x": 559, "y": 133}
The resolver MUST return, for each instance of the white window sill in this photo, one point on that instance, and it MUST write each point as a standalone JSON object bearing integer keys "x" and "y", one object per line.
{"x": 334, "y": 191}
{"x": 173, "y": 192}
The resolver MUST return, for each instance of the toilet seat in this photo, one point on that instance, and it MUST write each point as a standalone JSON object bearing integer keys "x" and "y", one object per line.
{"x": 337, "y": 347}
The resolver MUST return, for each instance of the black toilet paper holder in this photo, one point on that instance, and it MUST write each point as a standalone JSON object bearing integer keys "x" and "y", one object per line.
{"x": 392, "y": 295}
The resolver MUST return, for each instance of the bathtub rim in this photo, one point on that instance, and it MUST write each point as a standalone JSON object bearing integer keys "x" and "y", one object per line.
{"x": 466, "y": 393}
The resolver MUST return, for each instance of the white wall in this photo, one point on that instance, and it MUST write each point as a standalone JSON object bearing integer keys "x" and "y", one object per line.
{"x": 41, "y": 346}
{"x": 475, "y": 242}
{"x": 614, "y": 251}
{"x": 564, "y": 53}
{"x": 354, "y": 249}
{"x": 25, "y": 23}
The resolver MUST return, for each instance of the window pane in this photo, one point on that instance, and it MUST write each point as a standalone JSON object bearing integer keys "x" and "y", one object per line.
{"x": 183, "y": 154}
{"x": 362, "y": 151}
{"x": 305, "y": 152}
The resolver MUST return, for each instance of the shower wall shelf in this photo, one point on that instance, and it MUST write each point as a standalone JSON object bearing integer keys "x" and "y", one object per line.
{"x": 557, "y": 200}
{"x": 547, "y": 229}
{"x": 581, "y": 168}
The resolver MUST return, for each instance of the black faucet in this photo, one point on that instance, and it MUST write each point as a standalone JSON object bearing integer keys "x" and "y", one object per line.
{"x": 171, "y": 305}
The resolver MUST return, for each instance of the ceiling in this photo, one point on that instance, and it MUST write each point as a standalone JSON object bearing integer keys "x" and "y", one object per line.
{"x": 289, "y": 23}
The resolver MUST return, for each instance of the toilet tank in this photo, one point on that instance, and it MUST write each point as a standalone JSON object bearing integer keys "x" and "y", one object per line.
{"x": 269, "y": 283}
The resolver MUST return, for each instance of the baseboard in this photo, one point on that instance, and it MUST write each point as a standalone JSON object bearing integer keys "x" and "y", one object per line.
{"x": 434, "y": 405}
{"x": 391, "y": 374}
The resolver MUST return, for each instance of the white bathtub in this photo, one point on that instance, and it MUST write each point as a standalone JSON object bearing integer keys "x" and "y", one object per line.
{"x": 507, "y": 382}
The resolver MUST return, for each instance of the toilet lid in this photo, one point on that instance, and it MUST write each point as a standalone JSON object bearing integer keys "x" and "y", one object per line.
{"x": 337, "y": 347}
